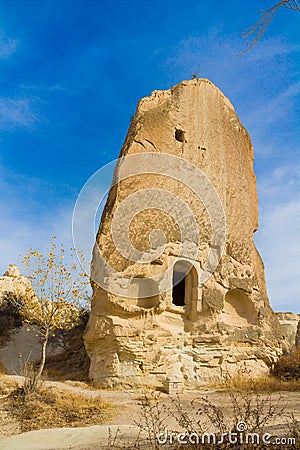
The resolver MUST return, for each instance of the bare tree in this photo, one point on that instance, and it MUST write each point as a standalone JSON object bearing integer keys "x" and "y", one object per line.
{"x": 256, "y": 31}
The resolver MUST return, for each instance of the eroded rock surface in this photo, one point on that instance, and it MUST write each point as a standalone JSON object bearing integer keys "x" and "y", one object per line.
{"x": 290, "y": 327}
{"x": 13, "y": 282}
{"x": 201, "y": 331}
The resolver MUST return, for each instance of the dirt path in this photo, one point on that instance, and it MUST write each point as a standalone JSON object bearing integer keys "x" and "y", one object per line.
{"x": 128, "y": 413}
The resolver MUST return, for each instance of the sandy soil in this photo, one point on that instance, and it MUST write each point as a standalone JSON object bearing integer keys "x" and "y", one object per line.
{"x": 124, "y": 424}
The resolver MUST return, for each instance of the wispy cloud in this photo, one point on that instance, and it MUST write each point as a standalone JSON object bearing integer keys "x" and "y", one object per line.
{"x": 270, "y": 48}
{"x": 18, "y": 234}
{"x": 18, "y": 113}
{"x": 28, "y": 220}
{"x": 86, "y": 219}
{"x": 279, "y": 187}
{"x": 281, "y": 105}
{"x": 214, "y": 55}
{"x": 265, "y": 76}
{"x": 7, "y": 45}
{"x": 278, "y": 236}
{"x": 43, "y": 88}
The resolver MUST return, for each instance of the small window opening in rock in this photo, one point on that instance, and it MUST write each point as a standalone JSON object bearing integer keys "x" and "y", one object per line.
{"x": 178, "y": 289}
{"x": 179, "y": 135}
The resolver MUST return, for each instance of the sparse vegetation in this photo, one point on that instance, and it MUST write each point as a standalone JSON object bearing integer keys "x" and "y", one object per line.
{"x": 50, "y": 407}
{"x": 268, "y": 383}
{"x": 252, "y": 409}
{"x": 7, "y": 385}
{"x": 287, "y": 368}
{"x": 54, "y": 299}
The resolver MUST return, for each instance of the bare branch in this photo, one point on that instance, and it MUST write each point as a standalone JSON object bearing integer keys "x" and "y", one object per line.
{"x": 292, "y": 4}
{"x": 254, "y": 33}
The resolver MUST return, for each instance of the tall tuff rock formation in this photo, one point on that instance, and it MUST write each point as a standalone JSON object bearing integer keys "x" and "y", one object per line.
{"x": 205, "y": 326}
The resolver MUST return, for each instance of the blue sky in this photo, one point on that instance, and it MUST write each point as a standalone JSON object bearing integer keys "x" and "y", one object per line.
{"x": 72, "y": 73}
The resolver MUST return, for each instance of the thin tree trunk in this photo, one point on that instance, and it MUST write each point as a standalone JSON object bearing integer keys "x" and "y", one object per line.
{"x": 43, "y": 358}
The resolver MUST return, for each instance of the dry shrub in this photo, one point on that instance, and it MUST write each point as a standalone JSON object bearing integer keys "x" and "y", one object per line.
{"x": 255, "y": 409}
{"x": 288, "y": 367}
{"x": 48, "y": 408}
{"x": 245, "y": 381}
{"x": 264, "y": 384}
{"x": 153, "y": 419}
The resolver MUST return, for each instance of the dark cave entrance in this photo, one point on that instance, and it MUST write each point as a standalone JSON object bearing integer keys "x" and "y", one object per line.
{"x": 178, "y": 294}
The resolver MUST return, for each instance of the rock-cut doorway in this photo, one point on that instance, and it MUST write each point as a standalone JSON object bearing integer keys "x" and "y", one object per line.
{"x": 181, "y": 284}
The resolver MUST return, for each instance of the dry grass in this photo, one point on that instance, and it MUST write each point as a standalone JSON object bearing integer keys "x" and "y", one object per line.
{"x": 2, "y": 369}
{"x": 7, "y": 386}
{"x": 285, "y": 376}
{"x": 49, "y": 407}
{"x": 81, "y": 384}
{"x": 263, "y": 384}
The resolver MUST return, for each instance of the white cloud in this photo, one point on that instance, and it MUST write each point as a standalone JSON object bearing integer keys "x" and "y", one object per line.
{"x": 261, "y": 84}
{"x": 214, "y": 55}
{"x": 275, "y": 109}
{"x": 18, "y": 234}
{"x": 279, "y": 187}
{"x": 278, "y": 236}
{"x": 29, "y": 221}
{"x": 269, "y": 48}
{"x": 86, "y": 220}
{"x": 17, "y": 113}
{"x": 7, "y": 46}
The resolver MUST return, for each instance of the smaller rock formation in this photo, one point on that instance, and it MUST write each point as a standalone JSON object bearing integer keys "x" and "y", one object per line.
{"x": 13, "y": 271}
{"x": 13, "y": 282}
{"x": 290, "y": 327}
